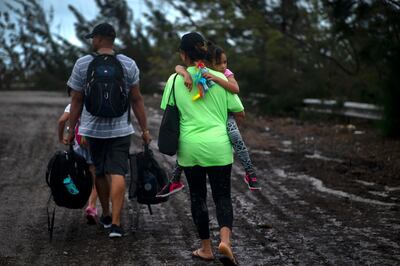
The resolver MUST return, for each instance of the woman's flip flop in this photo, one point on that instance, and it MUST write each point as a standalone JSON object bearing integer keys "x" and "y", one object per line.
{"x": 195, "y": 254}
{"x": 228, "y": 259}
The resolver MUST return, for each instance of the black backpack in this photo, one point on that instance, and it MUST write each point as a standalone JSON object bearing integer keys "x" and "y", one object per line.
{"x": 151, "y": 178}
{"x": 68, "y": 166}
{"x": 105, "y": 92}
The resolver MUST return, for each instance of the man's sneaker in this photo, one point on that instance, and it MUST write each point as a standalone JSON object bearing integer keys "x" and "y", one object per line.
{"x": 116, "y": 231}
{"x": 251, "y": 181}
{"x": 170, "y": 188}
{"x": 105, "y": 221}
{"x": 91, "y": 215}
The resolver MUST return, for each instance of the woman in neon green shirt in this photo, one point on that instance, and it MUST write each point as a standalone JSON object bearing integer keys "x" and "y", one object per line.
{"x": 204, "y": 146}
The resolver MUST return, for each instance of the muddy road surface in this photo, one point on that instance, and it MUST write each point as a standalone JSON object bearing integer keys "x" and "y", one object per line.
{"x": 329, "y": 197}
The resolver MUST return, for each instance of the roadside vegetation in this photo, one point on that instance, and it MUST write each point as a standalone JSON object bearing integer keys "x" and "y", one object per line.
{"x": 285, "y": 50}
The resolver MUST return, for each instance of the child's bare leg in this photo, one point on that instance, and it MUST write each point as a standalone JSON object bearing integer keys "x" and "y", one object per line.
{"x": 93, "y": 194}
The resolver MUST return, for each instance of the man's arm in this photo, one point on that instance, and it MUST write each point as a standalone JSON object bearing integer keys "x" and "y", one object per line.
{"x": 139, "y": 111}
{"x": 75, "y": 112}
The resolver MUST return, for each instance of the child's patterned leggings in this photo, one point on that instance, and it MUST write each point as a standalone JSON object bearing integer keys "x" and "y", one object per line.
{"x": 238, "y": 145}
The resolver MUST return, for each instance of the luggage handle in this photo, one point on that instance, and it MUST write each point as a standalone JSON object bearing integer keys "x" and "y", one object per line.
{"x": 146, "y": 148}
{"x": 147, "y": 151}
{"x": 49, "y": 169}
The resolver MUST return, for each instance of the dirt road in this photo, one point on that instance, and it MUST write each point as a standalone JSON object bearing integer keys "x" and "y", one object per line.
{"x": 325, "y": 199}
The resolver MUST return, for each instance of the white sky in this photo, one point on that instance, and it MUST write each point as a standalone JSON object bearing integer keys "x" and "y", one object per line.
{"x": 63, "y": 21}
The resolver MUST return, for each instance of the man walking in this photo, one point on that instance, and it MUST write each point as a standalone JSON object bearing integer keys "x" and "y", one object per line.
{"x": 104, "y": 88}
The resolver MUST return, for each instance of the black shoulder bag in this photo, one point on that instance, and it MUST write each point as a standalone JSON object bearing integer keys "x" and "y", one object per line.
{"x": 168, "y": 136}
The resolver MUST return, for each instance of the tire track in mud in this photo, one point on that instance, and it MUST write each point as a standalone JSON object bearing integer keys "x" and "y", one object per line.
{"x": 22, "y": 172}
{"x": 318, "y": 225}
{"x": 174, "y": 217}
{"x": 288, "y": 222}
{"x": 266, "y": 220}
{"x": 239, "y": 188}
{"x": 288, "y": 241}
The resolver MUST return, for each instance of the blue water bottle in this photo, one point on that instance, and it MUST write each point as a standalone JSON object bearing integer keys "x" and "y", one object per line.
{"x": 69, "y": 184}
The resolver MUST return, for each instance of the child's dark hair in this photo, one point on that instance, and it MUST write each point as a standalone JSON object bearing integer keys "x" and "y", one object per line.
{"x": 214, "y": 53}
{"x": 194, "y": 45}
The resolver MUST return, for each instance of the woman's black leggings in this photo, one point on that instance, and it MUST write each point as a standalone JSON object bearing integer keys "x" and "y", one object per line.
{"x": 220, "y": 182}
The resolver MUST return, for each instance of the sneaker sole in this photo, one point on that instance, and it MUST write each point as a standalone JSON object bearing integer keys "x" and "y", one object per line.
{"x": 115, "y": 235}
{"x": 170, "y": 193}
{"x": 251, "y": 188}
{"x": 106, "y": 226}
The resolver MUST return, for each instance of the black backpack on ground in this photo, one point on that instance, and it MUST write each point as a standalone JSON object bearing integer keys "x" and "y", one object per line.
{"x": 70, "y": 182}
{"x": 149, "y": 178}
{"x": 105, "y": 91}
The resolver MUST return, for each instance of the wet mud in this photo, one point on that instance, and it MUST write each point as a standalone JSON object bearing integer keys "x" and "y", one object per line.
{"x": 330, "y": 196}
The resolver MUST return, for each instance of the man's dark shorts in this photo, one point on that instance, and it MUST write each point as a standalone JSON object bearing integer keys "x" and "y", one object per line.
{"x": 110, "y": 156}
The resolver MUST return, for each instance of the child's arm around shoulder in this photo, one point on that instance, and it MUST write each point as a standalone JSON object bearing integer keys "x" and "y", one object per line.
{"x": 233, "y": 85}
{"x": 186, "y": 76}
{"x": 230, "y": 85}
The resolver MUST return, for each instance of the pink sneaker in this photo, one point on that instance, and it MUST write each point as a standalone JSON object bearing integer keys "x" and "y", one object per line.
{"x": 169, "y": 189}
{"x": 91, "y": 215}
{"x": 251, "y": 181}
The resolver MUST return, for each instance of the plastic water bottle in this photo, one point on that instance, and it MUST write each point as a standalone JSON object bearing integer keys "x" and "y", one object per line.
{"x": 69, "y": 184}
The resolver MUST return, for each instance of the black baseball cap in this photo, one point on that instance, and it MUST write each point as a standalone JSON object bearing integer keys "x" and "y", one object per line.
{"x": 189, "y": 40}
{"x": 103, "y": 29}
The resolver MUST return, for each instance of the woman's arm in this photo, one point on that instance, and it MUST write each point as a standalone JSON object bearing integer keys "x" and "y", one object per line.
{"x": 186, "y": 76}
{"x": 230, "y": 85}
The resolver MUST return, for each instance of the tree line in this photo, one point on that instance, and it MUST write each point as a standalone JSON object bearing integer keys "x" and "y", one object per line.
{"x": 285, "y": 49}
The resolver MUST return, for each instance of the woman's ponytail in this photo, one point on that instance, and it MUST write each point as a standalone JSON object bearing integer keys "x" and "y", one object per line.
{"x": 194, "y": 45}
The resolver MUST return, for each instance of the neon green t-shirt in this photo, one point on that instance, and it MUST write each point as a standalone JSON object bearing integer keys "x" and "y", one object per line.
{"x": 203, "y": 137}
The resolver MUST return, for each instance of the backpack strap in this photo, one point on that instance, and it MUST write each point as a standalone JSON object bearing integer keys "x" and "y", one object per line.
{"x": 150, "y": 210}
{"x": 173, "y": 91}
{"x": 129, "y": 106}
{"x": 50, "y": 222}
{"x": 49, "y": 169}
{"x": 71, "y": 159}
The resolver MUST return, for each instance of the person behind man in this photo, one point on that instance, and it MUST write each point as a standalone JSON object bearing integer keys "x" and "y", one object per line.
{"x": 204, "y": 146}
{"x": 108, "y": 137}
{"x": 80, "y": 147}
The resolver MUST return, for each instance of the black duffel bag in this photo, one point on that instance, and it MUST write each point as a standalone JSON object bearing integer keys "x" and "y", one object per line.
{"x": 150, "y": 178}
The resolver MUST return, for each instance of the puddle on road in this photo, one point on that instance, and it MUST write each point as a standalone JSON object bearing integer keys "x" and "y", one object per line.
{"x": 260, "y": 152}
{"x": 392, "y": 188}
{"x": 319, "y": 185}
{"x": 318, "y": 156}
{"x": 365, "y": 183}
{"x": 286, "y": 146}
{"x": 286, "y": 143}
{"x": 378, "y": 193}
{"x": 286, "y": 150}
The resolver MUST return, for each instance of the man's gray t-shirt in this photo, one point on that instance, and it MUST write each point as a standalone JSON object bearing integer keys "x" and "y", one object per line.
{"x": 102, "y": 127}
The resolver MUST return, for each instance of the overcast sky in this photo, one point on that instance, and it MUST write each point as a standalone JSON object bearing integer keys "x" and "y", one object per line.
{"x": 63, "y": 22}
